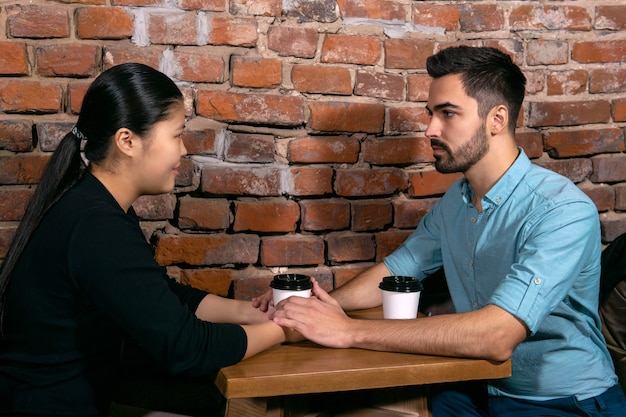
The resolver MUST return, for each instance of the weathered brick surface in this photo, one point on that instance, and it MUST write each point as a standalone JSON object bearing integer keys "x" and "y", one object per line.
{"x": 305, "y": 127}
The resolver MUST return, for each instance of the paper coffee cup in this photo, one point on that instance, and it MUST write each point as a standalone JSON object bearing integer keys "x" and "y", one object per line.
{"x": 287, "y": 285}
{"x": 401, "y": 297}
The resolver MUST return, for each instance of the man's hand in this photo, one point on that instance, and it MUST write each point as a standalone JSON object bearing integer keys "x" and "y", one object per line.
{"x": 319, "y": 318}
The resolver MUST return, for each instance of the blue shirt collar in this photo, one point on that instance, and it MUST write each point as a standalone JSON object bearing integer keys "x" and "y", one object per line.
{"x": 505, "y": 185}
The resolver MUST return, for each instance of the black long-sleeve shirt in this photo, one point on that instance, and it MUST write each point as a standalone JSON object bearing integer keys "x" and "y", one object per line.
{"x": 86, "y": 280}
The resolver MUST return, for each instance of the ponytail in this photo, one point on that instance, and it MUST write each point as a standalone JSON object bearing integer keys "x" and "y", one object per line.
{"x": 63, "y": 170}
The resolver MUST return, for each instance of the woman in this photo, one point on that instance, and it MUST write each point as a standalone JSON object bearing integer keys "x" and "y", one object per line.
{"x": 80, "y": 276}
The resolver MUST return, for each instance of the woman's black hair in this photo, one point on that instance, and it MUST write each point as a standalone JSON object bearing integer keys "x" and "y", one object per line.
{"x": 132, "y": 96}
{"x": 489, "y": 76}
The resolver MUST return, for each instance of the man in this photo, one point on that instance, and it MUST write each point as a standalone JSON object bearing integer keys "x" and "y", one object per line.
{"x": 520, "y": 246}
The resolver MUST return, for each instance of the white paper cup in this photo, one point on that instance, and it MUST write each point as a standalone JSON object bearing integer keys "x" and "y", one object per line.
{"x": 287, "y": 285}
{"x": 280, "y": 295}
{"x": 401, "y": 297}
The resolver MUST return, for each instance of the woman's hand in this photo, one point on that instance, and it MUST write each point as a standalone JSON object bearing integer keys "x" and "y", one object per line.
{"x": 264, "y": 302}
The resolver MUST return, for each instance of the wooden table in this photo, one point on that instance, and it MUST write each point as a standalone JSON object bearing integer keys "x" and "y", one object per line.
{"x": 289, "y": 380}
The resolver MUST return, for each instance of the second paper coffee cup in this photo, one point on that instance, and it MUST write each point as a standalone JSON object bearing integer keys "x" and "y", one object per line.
{"x": 286, "y": 285}
{"x": 401, "y": 296}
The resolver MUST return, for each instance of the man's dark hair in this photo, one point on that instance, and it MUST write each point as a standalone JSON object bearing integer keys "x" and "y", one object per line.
{"x": 489, "y": 76}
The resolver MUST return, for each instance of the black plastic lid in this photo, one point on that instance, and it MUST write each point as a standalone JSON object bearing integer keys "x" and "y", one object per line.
{"x": 291, "y": 282}
{"x": 400, "y": 284}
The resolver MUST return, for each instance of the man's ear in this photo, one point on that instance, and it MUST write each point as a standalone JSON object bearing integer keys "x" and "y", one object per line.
{"x": 498, "y": 120}
{"x": 125, "y": 141}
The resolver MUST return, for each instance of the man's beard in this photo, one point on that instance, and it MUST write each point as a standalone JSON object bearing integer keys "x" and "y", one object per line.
{"x": 467, "y": 155}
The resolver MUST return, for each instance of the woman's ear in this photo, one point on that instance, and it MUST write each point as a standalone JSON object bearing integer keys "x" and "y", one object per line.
{"x": 125, "y": 141}
{"x": 498, "y": 120}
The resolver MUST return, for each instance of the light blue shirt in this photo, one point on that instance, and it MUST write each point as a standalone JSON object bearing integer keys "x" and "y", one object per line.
{"x": 534, "y": 251}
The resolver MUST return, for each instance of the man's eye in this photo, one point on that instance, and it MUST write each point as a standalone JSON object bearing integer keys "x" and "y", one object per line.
{"x": 448, "y": 113}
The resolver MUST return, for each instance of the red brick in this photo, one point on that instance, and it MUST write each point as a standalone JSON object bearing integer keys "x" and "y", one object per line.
{"x": 67, "y": 60}
{"x": 547, "y": 52}
{"x": 407, "y": 119}
{"x": 407, "y": 53}
{"x": 22, "y": 168}
{"x": 173, "y": 28}
{"x": 417, "y": 86}
{"x": 619, "y": 110}
{"x": 348, "y": 247}
{"x": 512, "y": 47}
{"x": 387, "y": 242}
{"x": 602, "y": 195}
{"x": 374, "y": 9}
{"x": 309, "y": 181}
{"x": 620, "y": 196}
{"x": 535, "y": 82}
{"x": 90, "y": 2}
{"x": 251, "y": 108}
{"x": 257, "y": 7}
{"x": 76, "y": 92}
{"x": 599, "y": 51}
{"x": 16, "y": 135}
{"x": 576, "y": 169}
{"x": 437, "y": 16}
{"x": 13, "y": 203}
{"x": 186, "y": 173}
{"x": 430, "y": 182}
{"x": 556, "y": 17}
{"x": 213, "y": 280}
{"x": 409, "y": 212}
{"x": 370, "y": 215}
{"x": 366, "y": 182}
{"x": 321, "y": 79}
{"x": 325, "y": 214}
{"x": 379, "y": 85}
{"x": 49, "y": 134}
{"x": 275, "y": 215}
{"x": 397, "y": 150}
{"x": 238, "y": 31}
{"x": 608, "y": 168}
{"x": 29, "y": 97}
{"x": 531, "y": 142}
{"x": 341, "y": 116}
{"x": 348, "y": 49}
{"x": 203, "y": 213}
{"x": 241, "y": 147}
{"x": 13, "y": 58}
{"x": 607, "y": 81}
{"x": 568, "y": 113}
{"x": 199, "y": 67}
{"x": 567, "y": 82}
{"x": 346, "y": 272}
{"x": 256, "y": 72}
{"x": 481, "y": 17}
{"x": 103, "y": 23}
{"x": 209, "y": 5}
{"x": 241, "y": 181}
{"x": 115, "y": 55}
{"x": 612, "y": 225}
{"x": 323, "y": 149}
{"x": 215, "y": 249}
{"x": 291, "y": 41}
{"x": 155, "y": 207}
{"x": 611, "y": 17}
{"x": 201, "y": 141}
{"x": 292, "y": 250}
{"x": 6, "y": 236}
{"x": 571, "y": 143}
{"x": 136, "y": 2}
{"x": 37, "y": 22}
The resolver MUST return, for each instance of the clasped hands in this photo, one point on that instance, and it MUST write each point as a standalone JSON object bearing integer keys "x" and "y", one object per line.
{"x": 319, "y": 318}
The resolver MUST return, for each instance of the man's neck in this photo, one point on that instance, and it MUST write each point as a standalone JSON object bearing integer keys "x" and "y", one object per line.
{"x": 483, "y": 175}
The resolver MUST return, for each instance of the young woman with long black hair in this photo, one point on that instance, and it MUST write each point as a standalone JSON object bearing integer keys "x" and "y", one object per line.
{"x": 79, "y": 276}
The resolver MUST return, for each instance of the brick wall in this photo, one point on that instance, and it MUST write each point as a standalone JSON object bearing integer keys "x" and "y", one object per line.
{"x": 306, "y": 118}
